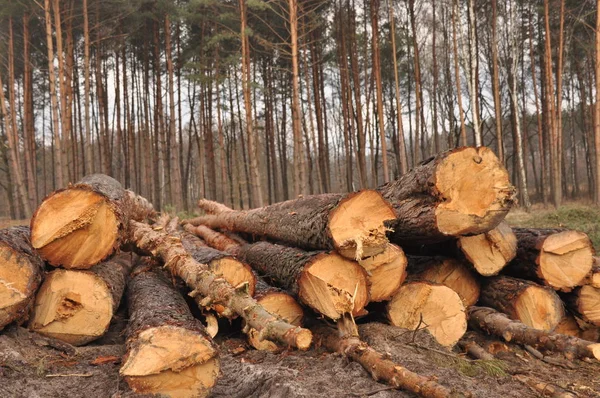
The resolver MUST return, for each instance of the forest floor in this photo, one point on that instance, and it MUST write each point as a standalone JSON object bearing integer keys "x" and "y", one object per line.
{"x": 32, "y": 366}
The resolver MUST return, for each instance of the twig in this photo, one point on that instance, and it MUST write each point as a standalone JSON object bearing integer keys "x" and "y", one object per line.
{"x": 71, "y": 375}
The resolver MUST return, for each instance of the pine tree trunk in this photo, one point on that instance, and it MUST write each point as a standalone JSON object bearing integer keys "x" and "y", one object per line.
{"x": 463, "y": 131}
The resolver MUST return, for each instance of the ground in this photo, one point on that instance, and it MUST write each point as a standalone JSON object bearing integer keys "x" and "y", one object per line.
{"x": 32, "y": 366}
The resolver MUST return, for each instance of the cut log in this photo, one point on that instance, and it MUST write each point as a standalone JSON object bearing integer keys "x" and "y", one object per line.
{"x": 81, "y": 225}
{"x": 536, "y": 306}
{"x": 424, "y": 305}
{"x": 216, "y": 290}
{"x": 212, "y": 238}
{"x": 21, "y": 272}
{"x": 76, "y": 306}
{"x": 491, "y": 251}
{"x": 585, "y": 302}
{"x": 352, "y": 224}
{"x": 168, "y": 350}
{"x": 593, "y": 279}
{"x": 448, "y": 272}
{"x": 568, "y": 326}
{"x": 385, "y": 273}
{"x": 279, "y": 303}
{"x": 324, "y": 281}
{"x": 558, "y": 258}
{"x": 464, "y": 191}
{"x": 498, "y": 324}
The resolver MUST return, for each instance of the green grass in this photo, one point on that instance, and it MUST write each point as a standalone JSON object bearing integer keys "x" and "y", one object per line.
{"x": 577, "y": 216}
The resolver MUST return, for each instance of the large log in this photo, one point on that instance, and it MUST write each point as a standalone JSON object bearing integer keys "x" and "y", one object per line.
{"x": 536, "y": 306}
{"x": 81, "y": 225}
{"x": 448, "y": 272}
{"x": 76, "y": 306}
{"x": 585, "y": 301}
{"x": 352, "y": 224}
{"x": 561, "y": 259}
{"x": 491, "y": 251}
{"x": 214, "y": 289}
{"x": 324, "y": 281}
{"x": 436, "y": 308}
{"x": 21, "y": 271}
{"x": 385, "y": 273}
{"x": 168, "y": 350}
{"x": 464, "y": 191}
{"x": 499, "y": 324}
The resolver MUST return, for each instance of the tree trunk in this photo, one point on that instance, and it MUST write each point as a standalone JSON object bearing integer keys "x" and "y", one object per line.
{"x": 496, "y": 84}
{"x": 597, "y": 107}
{"x": 86, "y": 94}
{"x": 419, "y": 119}
{"x": 473, "y": 70}
{"x": 377, "y": 71}
{"x": 463, "y": 130}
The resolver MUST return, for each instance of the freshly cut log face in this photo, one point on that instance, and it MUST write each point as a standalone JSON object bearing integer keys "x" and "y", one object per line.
{"x": 568, "y": 326}
{"x": 168, "y": 350}
{"x": 83, "y": 224}
{"x": 385, "y": 272}
{"x": 463, "y": 191}
{"x": 585, "y": 301}
{"x": 437, "y": 308}
{"x": 277, "y": 302}
{"x": 534, "y": 305}
{"x": 448, "y": 272}
{"x": 491, "y": 251}
{"x": 352, "y": 224}
{"x": 327, "y": 282}
{"x": 561, "y": 259}
{"x": 76, "y": 306}
{"x": 593, "y": 279}
{"x": 21, "y": 271}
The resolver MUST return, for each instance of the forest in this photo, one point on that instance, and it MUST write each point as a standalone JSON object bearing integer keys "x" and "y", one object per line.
{"x": 251, "y": 102}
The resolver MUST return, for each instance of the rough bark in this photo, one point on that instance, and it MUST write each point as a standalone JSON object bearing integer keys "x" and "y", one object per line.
{"x": 536, "y": 306}
{"x": 493, "y": 322}
{"x": 21, "y": 272}
{"x": 463, "y": 191}
{"x": 353, "y": 224}
{"x": 585, "y": 301}
{"x": 212, "y": 238}
{"x": 168, "y": 350}
{"x": 593, "y": 279}
{"x": 76, "y": 306}
{"x": 83, "y": 224}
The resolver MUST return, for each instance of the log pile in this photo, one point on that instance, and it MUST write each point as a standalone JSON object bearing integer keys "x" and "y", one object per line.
{"x": 432, "y": 248}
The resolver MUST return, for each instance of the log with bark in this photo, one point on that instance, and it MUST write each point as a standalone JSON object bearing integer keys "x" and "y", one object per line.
{"x": 214, "y": 289}
{"x": 491, "y": 251}
{"x": 168, "y": 350}
{"x": 448, "y": 272}
{"x": 498, "y": 324}
{"x": 585, "y": 302}
{"x": 561, "y": 259}
{"x": 81, "y": 225}
{"x": 593, "y": 279}
{"x": 21, "y": 272}
{"x": 425, "y": 305}
{"x": 76, "y": 306}
{"x": 352, "y": 224}
{"x": 536, "y": 306}
{"x": 385, "y": 272}
{"x": 464, "y": 191}
{"x": 212, "y": 238}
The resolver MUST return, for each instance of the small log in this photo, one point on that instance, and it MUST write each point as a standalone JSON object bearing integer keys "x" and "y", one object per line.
{"x": 568, "y": 326}
{"x": 490, "y": 252}
{"x": 593, "y": 279}
{"x": 352, "y": 224}
{"x": 76, "y": 306}
{"x": 498, "y": 324}
{"x": 212, "y": 238}
{"x": 585, "y": 302}
{"x": 448, "y": 272}
{"x": 424, "y": 305}
{"x": 21, "y": 272}
{"x": 543, "y": 388}
{"x": 561, "y": 259}
{"x": 216, "y": 290}
{"x": 536, "y": 306}
{"x": 385, "y": 273}
{"x": 325, "y": 281}
{"x": 79, "y": 226}
{"x": 464, "y": 191}
{"x": 168, "y": 350}
{"x": 279, "y": 303}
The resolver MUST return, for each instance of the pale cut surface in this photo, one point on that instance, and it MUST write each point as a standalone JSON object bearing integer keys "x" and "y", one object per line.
{"x": 491, "y": 251}
{"x": 588, "y": 304}
{"x": 566, "y": 259}
{"x": 283, "y": 305}
{"x": 568, "y": 325}
{"x": 75, "y": 228}
{"x": 192, "y": 382}
{"x": 434, "y": 307}
{"x": 334, "y": 285}
{"x": 15, "y": 277}
{"x": 455, "y": 275}
{"x": 538, "y": 308}
{"x": 72, "y": 306}
{"x": 472, "y": 182}
{"x": 386, "y": 272}
{"x": 233, "y": 271}
{"x": 356, "y": 225}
